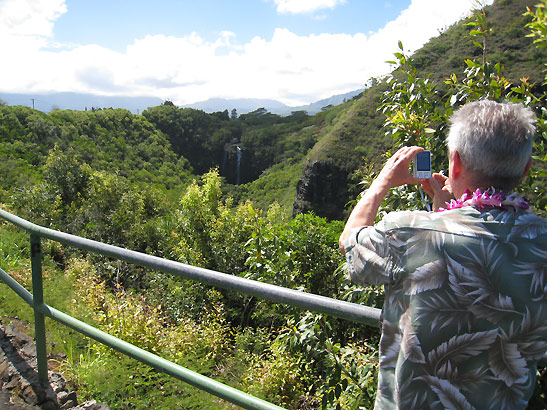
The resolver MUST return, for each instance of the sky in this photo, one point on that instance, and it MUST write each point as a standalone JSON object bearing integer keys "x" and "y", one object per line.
{"x": 185, "y": 51}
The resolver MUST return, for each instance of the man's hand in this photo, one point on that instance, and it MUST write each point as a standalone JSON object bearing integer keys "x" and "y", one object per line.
{"x": 394, "y": 173}
{"x": 438, "y": 188}
{"x": 396, "y": 170}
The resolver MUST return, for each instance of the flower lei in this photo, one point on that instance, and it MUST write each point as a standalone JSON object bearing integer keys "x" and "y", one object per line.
{"x": 488, "y": 198}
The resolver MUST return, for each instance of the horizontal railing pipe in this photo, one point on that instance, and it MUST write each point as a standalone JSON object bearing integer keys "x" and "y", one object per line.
{"x": 320, "y": 304}
{"x": 17, "y": 288}
{"x": 195, "y": 379}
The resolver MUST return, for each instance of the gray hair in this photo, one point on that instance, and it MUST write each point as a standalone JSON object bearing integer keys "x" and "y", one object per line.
{"x": 494, "y": 140}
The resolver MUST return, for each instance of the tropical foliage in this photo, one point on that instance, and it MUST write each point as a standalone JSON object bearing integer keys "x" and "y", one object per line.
{"x": 166, "y": 183}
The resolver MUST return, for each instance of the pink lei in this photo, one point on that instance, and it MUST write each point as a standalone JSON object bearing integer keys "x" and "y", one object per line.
{"x": 488, "y": 199}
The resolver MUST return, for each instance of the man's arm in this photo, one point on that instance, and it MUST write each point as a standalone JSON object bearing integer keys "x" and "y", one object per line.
{"x": 394, "y": 173}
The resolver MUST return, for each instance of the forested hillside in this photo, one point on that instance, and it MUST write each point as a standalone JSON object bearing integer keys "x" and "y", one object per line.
{"x": 165, "y": 147}
{"x": 505, "y": 42}
{"x": 359, "y": 138}
{"x": 232, "y": 193}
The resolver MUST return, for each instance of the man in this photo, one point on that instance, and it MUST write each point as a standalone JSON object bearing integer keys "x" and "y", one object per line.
{"x": 465, "y": 312}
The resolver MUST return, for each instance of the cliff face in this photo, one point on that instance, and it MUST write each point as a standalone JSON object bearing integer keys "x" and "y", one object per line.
{"x": 322, "y": 189}
{"x": 354, "y": 138}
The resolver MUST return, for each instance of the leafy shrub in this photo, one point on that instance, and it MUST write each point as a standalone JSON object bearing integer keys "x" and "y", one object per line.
{"x": 275, "y": 376}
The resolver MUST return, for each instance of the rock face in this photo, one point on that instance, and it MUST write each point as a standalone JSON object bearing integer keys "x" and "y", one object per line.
{"x": 322, "y": 189}
{"x": 20, "y": 387}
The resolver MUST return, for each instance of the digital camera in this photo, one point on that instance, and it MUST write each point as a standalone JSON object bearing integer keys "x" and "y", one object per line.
{"x": 422, "y": 165}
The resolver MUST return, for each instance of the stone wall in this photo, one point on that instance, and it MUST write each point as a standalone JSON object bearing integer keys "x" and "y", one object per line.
{"x": 20, "y": 388}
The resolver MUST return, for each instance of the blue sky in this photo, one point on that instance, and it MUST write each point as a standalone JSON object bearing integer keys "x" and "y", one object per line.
{"x": 116, "y": 24}
{"x": 294, "y": 51}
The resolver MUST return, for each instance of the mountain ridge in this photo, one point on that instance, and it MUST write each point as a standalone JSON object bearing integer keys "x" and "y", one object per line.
{"x": 47, "y": 102}
{"x": 246, "y": 105}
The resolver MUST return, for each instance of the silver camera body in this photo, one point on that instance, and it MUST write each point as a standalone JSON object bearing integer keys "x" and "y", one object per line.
{"x": 422, "y": 165}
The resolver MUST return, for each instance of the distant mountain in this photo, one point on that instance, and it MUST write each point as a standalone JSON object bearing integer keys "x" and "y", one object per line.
{"x": 82, "y": 102}
{"x": 246, "y": 105}
{"x": 318, "y": 106}
{"x": 78, "y": 101}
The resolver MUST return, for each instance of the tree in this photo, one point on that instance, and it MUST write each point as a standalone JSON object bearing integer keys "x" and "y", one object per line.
{"x": 67, "y": 175}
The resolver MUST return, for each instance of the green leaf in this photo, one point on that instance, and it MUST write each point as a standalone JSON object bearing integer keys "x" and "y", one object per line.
{"x": 324, "y": 401}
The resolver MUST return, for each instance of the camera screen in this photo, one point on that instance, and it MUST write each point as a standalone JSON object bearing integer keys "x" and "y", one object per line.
{"x": 423, "y": 162}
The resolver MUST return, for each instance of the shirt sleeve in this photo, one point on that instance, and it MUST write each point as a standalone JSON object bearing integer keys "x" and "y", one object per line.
{"x": 367, "y": 255}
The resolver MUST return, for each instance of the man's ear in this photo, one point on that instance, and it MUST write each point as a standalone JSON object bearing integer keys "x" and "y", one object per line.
{"x": 527, "y": 167}
{"x": 456, "y": 164}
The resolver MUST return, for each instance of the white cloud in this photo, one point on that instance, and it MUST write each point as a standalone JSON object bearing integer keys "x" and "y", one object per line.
{"x": 305, "y": 6}
{"x": 26, "y": 27}
{"x": 422, "y": 20}
{"x": 30, "y": 17}
{"x": 290, "y": 68}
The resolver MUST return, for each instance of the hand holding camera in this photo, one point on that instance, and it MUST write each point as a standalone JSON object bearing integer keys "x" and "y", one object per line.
{"x": 396, "y": 173}
{"x": 438, "y": 188}
{"x": 434, "y": 184}
{"x": 396, "y": 170}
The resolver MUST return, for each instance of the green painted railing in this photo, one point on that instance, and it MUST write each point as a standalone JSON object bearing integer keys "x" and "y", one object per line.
{"x": 315, "y": 303}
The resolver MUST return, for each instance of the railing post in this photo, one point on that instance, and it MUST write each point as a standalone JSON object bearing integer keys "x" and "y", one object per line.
{"x": 38, "y": 298}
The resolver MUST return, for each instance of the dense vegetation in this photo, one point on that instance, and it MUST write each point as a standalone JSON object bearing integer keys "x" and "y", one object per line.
{"x": 165, "y": 147}
{"x": 166, "y": 183}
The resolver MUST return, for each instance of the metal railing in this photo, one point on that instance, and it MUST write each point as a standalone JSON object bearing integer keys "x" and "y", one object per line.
{"x": 278, "y": 294}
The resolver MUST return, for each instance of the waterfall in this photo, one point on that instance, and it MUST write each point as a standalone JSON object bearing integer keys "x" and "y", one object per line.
{"x": 238, "y": 153}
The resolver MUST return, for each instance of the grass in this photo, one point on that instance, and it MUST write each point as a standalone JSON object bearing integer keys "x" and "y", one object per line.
{"x": 96, "y": 371}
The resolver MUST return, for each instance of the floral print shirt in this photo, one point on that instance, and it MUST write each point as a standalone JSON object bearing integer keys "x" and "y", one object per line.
{"x": 465, "y": 312}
